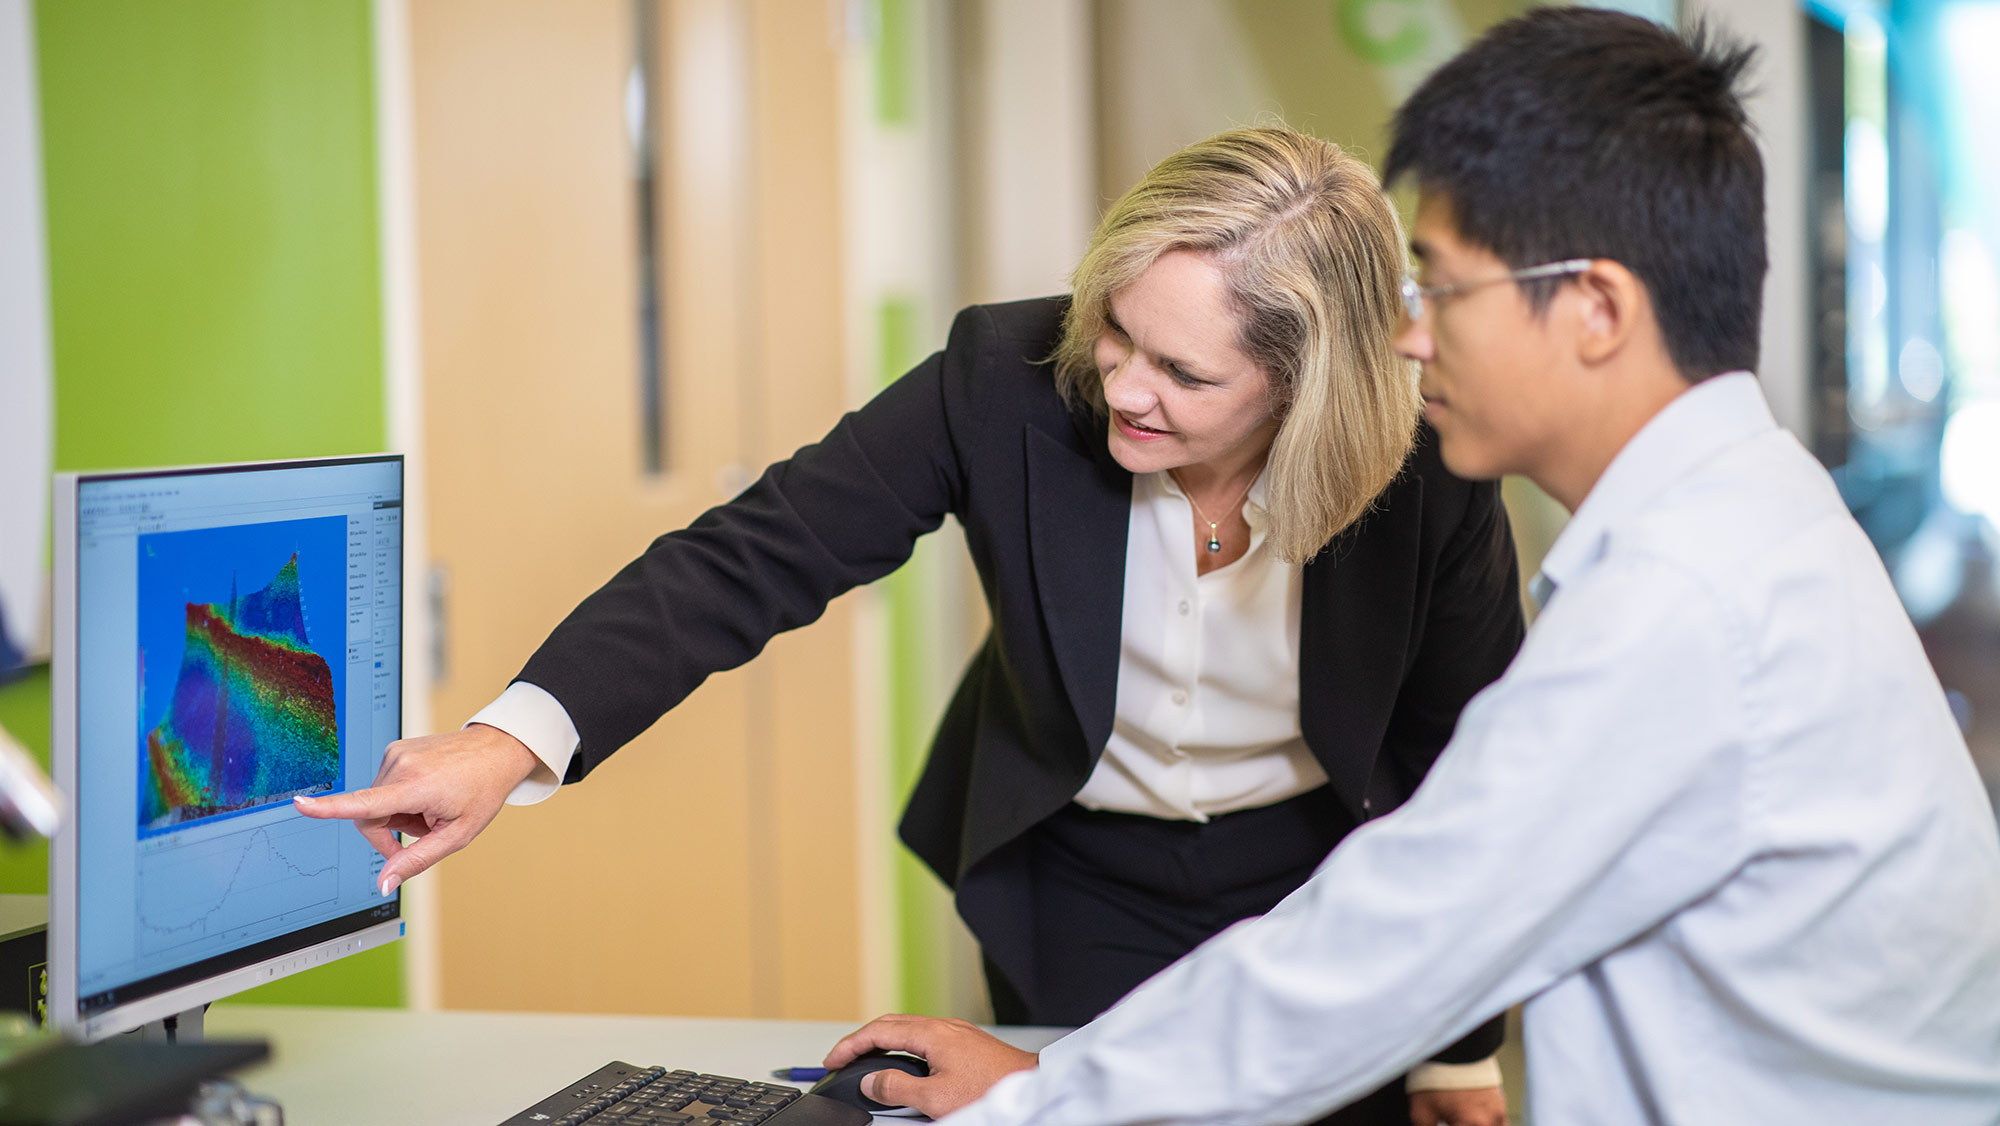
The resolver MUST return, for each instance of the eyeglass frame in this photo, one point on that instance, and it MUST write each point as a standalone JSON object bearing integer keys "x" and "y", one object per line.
{"x": 1415, "y": 293}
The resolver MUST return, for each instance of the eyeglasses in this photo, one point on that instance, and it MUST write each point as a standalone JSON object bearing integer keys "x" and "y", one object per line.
{"x": 1414, "y": 294}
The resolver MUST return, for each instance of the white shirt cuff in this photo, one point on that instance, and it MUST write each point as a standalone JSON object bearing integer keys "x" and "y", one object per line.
{"x": 1473, "y": 1076}
{"x": 530, "y": 714}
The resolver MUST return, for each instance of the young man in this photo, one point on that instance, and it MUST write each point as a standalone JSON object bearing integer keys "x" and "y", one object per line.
{"x": 1715, "y": 825}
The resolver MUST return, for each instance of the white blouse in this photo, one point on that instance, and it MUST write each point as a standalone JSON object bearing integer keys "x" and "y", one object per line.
{"x": 1207, "y": 715}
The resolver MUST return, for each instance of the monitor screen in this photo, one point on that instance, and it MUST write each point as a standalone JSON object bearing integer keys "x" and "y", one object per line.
{"x": 226, "y": 638}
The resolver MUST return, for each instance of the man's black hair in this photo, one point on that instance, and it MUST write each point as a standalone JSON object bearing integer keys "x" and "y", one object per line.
{"x": 1585, "y": 133}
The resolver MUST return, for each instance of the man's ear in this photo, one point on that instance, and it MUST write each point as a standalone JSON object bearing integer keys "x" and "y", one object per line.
{"x": 1613, "y": 308}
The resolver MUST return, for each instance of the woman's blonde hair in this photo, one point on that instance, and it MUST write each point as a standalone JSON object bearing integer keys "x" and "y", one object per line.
{"x": 1313, "y": 256}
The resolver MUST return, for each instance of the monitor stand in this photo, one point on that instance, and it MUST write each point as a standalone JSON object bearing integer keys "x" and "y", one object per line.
{"x": 181, "y": 1028}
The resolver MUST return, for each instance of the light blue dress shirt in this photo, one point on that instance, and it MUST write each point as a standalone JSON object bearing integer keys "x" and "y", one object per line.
{"x": 1715, "y": 826}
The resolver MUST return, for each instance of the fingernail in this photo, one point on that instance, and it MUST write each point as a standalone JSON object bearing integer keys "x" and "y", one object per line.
{"x": 303, "y": 799}
{"x": 389, "y": 884}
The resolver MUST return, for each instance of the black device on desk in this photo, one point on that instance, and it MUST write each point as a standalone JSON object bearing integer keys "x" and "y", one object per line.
{"x": 654, "y": 1096}
{"x": 843, "y": 1085}
{"x": 115, "y": 1082}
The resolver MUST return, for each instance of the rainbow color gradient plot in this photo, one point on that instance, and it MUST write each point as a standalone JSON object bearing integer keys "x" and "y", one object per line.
{"x": 254, "y": 716}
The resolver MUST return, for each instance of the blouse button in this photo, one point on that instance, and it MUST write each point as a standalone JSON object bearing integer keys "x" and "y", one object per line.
{"x": 1180, "y": 697}
{"x": 1185, "y": 607}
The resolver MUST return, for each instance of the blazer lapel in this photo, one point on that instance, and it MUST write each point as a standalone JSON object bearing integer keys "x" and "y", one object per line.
{"x": 1078, "y": 510}
{"x": 1354, "y": 637}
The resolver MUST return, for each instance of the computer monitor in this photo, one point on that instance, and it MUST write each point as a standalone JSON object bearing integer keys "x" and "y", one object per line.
{"x": 225, "y": 637}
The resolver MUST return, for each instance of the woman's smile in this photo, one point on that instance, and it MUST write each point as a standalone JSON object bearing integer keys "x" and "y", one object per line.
{"x": 1135, "y": 432}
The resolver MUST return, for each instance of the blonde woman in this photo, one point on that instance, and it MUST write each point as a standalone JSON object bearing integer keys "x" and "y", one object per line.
{"x": 1237, "y": 602}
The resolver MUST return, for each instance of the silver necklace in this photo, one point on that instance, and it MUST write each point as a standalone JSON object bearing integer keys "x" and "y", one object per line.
{"x": 1214, "y": 540}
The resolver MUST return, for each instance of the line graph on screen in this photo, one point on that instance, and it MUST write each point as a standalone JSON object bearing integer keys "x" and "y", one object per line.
{"x": 237, "y": 884}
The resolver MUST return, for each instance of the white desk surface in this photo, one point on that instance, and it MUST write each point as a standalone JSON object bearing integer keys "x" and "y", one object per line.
{"x": 334, "y": 1067}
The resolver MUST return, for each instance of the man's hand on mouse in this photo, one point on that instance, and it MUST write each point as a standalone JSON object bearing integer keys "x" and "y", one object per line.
{"x": 964, "y": 1060}
{"x": 440, "y": 789}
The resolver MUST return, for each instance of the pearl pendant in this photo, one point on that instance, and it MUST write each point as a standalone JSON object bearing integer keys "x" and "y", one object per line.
{"x": 1213, "y": 543}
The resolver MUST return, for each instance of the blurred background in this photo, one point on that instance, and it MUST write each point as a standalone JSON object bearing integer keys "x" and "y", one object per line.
{"x": 592, "y": 263}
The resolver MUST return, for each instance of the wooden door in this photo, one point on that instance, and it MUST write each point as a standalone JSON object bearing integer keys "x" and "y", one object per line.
{"x": 707, "y": 868}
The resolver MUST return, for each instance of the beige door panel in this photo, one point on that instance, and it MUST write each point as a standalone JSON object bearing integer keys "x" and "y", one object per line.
{"x": 705, "y": 869}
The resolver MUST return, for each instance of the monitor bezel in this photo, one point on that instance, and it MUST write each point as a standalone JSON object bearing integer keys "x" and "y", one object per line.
{"x": 65, "y": 756}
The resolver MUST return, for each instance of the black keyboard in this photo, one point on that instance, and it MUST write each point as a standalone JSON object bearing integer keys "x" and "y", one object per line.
{"x": 654, "y": 1096}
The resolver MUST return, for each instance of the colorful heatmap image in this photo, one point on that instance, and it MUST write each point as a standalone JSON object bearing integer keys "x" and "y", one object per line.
{"x": 242, "y": 666}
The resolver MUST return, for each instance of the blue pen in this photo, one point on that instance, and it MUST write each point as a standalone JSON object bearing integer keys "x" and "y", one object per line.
{"x": 800, "y": 1074}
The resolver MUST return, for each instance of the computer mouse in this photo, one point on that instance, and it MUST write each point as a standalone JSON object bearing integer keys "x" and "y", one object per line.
{"x": 843, "y": 1085}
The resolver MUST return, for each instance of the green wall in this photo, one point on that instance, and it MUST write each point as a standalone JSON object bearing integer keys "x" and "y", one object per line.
{"x": 213, "y": 271}
{"x": 214, "y": 283}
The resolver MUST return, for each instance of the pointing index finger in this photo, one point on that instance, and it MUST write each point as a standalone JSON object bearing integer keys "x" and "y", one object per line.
{"x": 374, "y": 802}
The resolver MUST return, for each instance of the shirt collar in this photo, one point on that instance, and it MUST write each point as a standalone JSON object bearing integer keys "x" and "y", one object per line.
{"x": 1708, "y": 417}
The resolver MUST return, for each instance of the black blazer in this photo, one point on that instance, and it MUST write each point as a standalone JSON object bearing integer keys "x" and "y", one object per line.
{"x": 1404, "y": 616}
